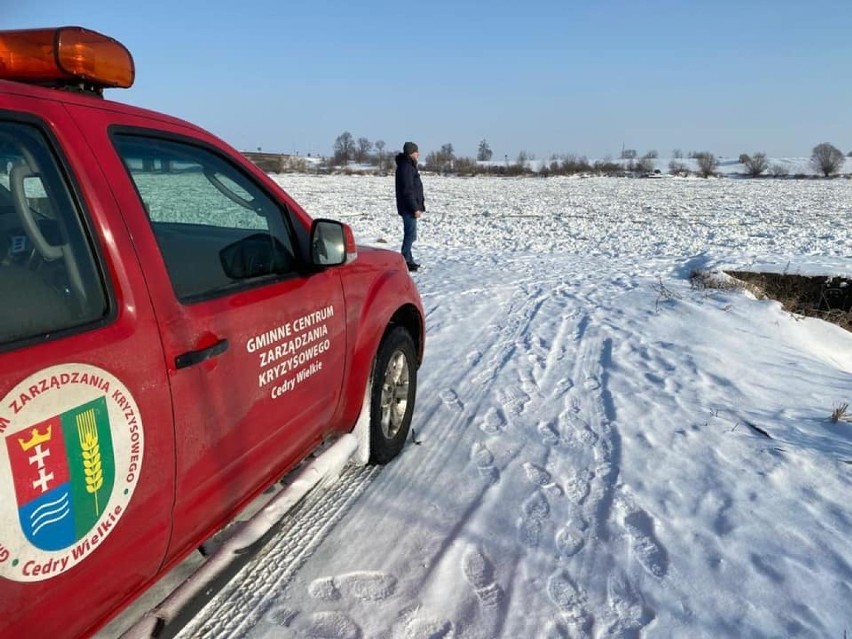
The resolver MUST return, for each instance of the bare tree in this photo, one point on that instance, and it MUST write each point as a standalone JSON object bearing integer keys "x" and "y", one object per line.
{"x": 677, "y": 167}
{"x": 484, "y": 153}
{"x": 571, "y": 164}
{"x": 779, "y": 170}
{"x": 380, "y": 152}
{"x": 827, "y": 159}
{"x": 756, "y": 164}
{"x": 443, "y": 159}
{"x": 433, "y": 161}
{"x": 344, "y": 148}
{"x": 629, "y": 154}
{"x": 363, "y": 150}
{"x": 707, "y": 163}
{"x": 645, "y": 165}
{"x": 677, "y": 154}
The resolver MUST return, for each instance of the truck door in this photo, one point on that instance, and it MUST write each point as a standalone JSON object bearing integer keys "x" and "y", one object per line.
{"x": 86, "y": 439}
{"x": 254, "y": 344}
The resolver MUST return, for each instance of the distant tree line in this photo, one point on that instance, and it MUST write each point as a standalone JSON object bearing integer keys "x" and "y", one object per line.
{"x": 361, "y": 151}
{"x": 826, "y": 160}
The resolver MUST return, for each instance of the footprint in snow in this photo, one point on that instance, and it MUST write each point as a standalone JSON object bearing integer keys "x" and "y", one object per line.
{"x": 548, "y": 433}
{"x": 560, "y": 630}
{"x": 484, "y": 462}
{"x": 494, "y": 422}
{"x": 647, "y": 550}
{"x": 411, "y": 624}
{"x": 537, "y": 475}
{"x": 577, "y": 487}
{"x": 280, "y": 616}
{"x": 574, "y": 420}
{"x": 591, "y": 383}
{"x": 536, "y": 506}
{"x": 529, "y": 532}
{"x": 627, "y": 609}
{"x": 513, "y": 399}
{"x": 587, "y": 438}
{"x": 531, "y": 523}
{"x": 530, "y": 387}
{"x": 479, "y": 573}
{"x": 569, "y": 541}
{"x": 325, "y": 624}
{"x": 540, "y": 477}
{"x": 567, "y": 597}
{"x": 360, "y": 586}
{"x": 562, "y": 386}
{"x": 324, "y": 588}
{"x": 451, "y": 400}
{"x": 428, "y": 629}
{"x": 367, "y": 586}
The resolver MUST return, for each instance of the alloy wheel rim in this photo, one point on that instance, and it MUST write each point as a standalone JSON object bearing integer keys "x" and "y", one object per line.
{"x": 394, "y": 394}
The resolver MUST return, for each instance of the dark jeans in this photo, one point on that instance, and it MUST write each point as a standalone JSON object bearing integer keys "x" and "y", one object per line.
{"x": 409, "y": 234}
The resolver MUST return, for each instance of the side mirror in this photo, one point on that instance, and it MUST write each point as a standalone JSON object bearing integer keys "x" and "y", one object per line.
{"x": 332, "y": 243}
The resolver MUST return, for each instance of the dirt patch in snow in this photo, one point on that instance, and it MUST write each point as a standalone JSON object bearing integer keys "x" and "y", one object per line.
{"x": 828, "y": 298}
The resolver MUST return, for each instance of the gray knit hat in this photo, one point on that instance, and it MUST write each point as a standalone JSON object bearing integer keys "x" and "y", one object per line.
{"x": 409, "y": 147}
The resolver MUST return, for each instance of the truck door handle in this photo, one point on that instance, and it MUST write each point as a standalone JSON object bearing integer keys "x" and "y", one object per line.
{"x": 191, "y": 358}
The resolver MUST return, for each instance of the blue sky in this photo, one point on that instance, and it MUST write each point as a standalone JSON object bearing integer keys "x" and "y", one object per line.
{"x": 546, "y": 77}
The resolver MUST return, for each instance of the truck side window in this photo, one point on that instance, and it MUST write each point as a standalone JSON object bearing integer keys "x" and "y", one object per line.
{"x": 49, "y": 280}
{"x": 216, "y": 229}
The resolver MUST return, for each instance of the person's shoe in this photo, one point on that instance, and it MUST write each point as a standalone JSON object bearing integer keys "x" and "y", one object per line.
{"x": 413, "y": 266}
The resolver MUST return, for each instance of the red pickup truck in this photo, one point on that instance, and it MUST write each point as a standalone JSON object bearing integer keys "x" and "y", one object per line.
{"x": 176, "y": 333}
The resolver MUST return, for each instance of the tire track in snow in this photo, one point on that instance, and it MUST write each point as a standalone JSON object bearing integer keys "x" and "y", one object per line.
{"x": 522, "y": 499}
{"x": 529, "y": 493}
{"x": 498, "y": 410}
{"x": 465, "y": 389}
{"x": 246, "y": 598}
{"x": 563, "y": 457}
{"x": 504, "y": 332}
{"x": 582, "y": 462}
{"x": 588, "y": 427}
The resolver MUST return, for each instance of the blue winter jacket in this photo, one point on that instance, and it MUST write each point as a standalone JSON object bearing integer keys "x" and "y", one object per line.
{"x": 409, "y": 188}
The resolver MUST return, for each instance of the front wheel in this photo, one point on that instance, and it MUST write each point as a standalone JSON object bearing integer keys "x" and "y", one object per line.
{"x": 394, "y": 387}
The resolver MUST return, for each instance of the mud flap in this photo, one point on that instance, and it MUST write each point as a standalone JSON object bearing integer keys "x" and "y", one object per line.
{"x": 362, "y": 427}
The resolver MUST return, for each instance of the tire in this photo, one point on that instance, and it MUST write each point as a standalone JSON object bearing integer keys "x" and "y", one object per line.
{"x": 394, "y": 388}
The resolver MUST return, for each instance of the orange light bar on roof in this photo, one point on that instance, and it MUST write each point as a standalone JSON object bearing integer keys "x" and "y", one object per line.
{"x": 65, "y": 56}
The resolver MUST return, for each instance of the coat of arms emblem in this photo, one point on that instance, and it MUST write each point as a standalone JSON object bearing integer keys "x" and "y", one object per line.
{"x": 64, "y": 472}
{"x": 71, "y": 450}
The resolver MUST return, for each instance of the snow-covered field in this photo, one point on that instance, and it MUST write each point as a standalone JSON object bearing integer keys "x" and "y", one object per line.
{"x": 638, "y": 219}
{"x": 589, "y": 460}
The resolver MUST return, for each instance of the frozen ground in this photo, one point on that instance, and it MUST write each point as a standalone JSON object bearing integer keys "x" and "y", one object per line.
{"x": 601, "y": 451}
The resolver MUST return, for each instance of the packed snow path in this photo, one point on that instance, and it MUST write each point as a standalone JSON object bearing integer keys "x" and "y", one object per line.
{"x": 526, "y": 412}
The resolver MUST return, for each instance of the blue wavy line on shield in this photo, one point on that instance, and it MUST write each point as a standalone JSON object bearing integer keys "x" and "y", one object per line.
{"x": 47, "y": 521}
{"x": 49, "y": 513}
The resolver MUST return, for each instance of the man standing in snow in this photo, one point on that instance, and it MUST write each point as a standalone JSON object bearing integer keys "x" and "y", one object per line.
{"x": 410, "y": 203}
